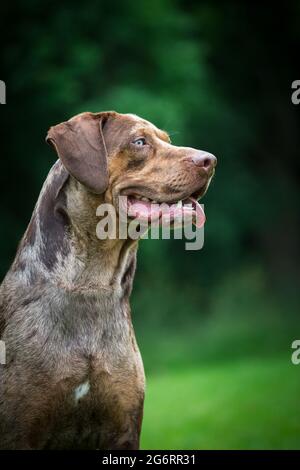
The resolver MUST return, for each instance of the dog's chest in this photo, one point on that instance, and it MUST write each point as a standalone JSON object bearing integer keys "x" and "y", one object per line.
{"x": 96, "y": 384}
{"x": 103, "y": 408}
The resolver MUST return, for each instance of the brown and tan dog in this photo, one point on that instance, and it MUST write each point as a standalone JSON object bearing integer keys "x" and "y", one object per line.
{"x": 73, "y": 377}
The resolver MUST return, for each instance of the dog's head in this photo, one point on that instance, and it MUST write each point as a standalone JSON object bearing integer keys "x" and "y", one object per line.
{"x": 124, "y": 155}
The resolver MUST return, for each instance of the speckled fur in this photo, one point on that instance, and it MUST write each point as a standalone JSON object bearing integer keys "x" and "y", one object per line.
{"x": 64, "y": 304}
{"x": 66, "y": 325}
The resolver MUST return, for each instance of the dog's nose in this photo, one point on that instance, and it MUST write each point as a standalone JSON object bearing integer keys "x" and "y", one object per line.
{"x": 204, "y": 160}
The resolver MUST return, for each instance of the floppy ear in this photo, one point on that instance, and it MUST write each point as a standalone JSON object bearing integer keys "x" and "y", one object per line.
{"x": 80, "y": 146}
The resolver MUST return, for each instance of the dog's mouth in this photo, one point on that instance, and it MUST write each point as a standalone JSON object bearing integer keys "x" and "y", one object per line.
{"x": 177, "y": 212}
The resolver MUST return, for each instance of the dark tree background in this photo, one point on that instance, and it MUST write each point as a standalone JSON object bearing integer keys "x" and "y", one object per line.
{"x": 215, "y": 76}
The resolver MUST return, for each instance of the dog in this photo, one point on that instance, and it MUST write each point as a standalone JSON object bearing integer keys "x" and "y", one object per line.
{"x": 74, "y": 377}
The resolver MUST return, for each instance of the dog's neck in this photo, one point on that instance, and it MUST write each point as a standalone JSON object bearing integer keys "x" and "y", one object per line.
{"x": 61, "y": 246}
{"x": 97, "y": 264}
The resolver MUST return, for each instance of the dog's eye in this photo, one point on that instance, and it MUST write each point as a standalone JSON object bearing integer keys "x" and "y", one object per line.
{"x": 140, "y": 142}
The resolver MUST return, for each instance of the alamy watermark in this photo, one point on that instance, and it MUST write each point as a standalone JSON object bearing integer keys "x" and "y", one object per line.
{"x": 2, "y": 92}
{"x": 2, "y": 353}
{"x": 295, "y": 358}
{"x": 152, "y": 220}
{"x": 296, "y": 94}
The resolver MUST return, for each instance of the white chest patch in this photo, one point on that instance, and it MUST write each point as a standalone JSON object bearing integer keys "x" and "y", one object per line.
{"x": 81, "y": 391}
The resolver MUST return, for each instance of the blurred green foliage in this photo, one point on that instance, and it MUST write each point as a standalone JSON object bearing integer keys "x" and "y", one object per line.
{"x": 216, "y": 77}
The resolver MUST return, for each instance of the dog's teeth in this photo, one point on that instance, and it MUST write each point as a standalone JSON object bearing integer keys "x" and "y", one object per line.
{"x": 144, "y": 199}
{"x": 138, "y": 197}
{"x": 179, "y": 204}
{"x": 154, "y": 202}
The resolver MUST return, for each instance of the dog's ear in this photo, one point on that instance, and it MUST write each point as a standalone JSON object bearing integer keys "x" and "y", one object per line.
{"x": 80, "y": 146}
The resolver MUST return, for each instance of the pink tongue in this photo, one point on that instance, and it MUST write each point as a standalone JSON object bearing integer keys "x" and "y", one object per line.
{"x": 147, "y": 210}
{"x": 200, "y": 218}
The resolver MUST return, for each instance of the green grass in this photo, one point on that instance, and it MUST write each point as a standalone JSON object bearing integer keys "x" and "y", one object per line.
{"x": 250, "y": 404}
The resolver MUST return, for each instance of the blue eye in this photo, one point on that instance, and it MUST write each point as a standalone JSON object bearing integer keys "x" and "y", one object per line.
{"x": 140, "y": 142}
